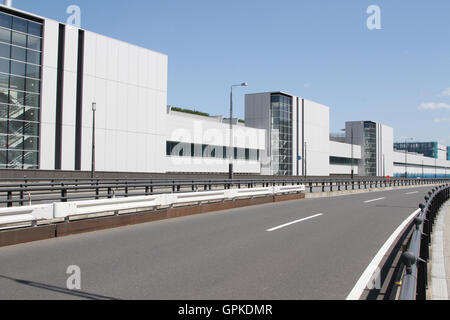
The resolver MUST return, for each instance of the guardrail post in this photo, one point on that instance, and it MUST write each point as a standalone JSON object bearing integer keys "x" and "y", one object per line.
{"x": 9, "y": 198}
{"x": 97, "y": 192}
{"x": 323, "y": 186}
{"x": 310, "y": 187}
{"x": 21, "y": 195}
{"x": 331, "y": 186}
{"x": 63, "y": 193}
{"x": 109, "y": 193}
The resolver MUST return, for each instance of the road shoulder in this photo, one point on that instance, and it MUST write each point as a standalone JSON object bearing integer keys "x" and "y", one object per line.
{"x": 440, "y": 262}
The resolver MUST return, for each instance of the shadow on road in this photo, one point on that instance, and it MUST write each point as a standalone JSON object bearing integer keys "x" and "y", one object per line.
{"x": 76, "y": 293}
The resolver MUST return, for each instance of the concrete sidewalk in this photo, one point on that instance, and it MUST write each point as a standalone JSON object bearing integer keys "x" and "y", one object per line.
{"x": 440, "y": 256}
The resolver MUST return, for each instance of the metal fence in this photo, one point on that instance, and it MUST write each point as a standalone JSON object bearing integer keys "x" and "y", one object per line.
{"x": 20, "y": 192}
{"x": 413, "y": 272}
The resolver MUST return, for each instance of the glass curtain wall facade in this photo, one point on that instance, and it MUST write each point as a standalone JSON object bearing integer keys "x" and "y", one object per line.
{"x": 428, "y": 149}
{"x": 281, "y": 135}
{"x": 370, "y": 148}
{"x": 20, "y": 88}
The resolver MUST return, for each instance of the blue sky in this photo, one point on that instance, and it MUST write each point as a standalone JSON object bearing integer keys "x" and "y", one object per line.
{"x": 318, "y": 49}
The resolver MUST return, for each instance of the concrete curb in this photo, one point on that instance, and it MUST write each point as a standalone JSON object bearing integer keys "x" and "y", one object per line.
{"x": 439, "y": 256}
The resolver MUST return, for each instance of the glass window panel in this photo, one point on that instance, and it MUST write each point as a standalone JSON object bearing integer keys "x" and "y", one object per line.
{"x": 31, "y": 114}
{"x": 4, "y": 80}
{"x": 18, "y": 53}
{"x": 33, "y": 85}
{"x": 5, "y": 50}
{"x": 3, "y": 141}
{"x": 5, "y": 35}
{"x": 15, "y": 159}
{"x": 20, "y": 25}
{"x": 19, "y": 39}
{"x": 17, "y": 83}
{"x": 31, "y": 143}
{"x": 2, "y": 158}
{"x": 4, "y": 96}
{"x": 34, "y": 57}
{"x": 31, "y": 100}
{"x": 34, "y": 43}
{"x": 16, "y": 97}
{"x": 16, "y": 112}
{"x": 31, "y": 158}
{"x": 15, "y": 142}
{"x": 33, "y": 71}
{"x": 15, "y": 127}
{"x": 4, "y": 65}
{"x": 3, "y": 126}
{"x": 35, "y": 29}
{"x": 4, "y": 111}
{"x": 31, "y": 128}
{"x": 18, "y": 68}
{"x": 5, "y": 20}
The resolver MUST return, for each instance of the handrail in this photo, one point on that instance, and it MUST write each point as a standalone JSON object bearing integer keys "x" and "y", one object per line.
{"x": 415, "y": 258}
{"x": 77, "y": 189}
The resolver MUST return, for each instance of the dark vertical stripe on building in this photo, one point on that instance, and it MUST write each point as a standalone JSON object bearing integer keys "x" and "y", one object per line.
{"x": 59, "y": 97}
{"x": 79, "y": 106}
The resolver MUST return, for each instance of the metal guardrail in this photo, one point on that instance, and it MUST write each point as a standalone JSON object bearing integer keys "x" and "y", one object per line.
{"x": 415, "y": 281}
{"x": 19, "y": 192}
{"x": 34, "y": 214}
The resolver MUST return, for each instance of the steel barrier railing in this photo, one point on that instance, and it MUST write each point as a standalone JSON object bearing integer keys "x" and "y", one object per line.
{"x": 414, "y": 272}
{"x": 23, "y": 192}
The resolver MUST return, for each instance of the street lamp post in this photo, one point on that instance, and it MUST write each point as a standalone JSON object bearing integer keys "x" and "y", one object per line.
{"x": 231, "y": 150}
{"x": 94, "y": 108}
{"x": 353, "y": 175}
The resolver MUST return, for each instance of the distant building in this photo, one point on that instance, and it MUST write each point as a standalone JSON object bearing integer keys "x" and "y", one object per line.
{"x": 428, "y": 149}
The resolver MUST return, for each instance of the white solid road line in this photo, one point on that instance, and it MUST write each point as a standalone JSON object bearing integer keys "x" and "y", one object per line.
{"x": 294, "y": 222}
{"x": 368, "y": 201}
{"x": 414, "y": 192}
{"x": 370, "y": 271}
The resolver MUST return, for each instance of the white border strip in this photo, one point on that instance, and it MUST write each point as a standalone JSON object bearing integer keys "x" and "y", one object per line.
{"x": 367, "y": 275}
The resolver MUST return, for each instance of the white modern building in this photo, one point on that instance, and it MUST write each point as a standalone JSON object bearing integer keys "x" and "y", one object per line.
{"x": 52, "y": 73}
{"x": 298, "y": 136}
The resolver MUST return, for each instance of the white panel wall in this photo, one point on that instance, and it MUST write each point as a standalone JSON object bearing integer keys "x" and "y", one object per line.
{"x": 48, "y": 94}
{"x": 202, "y": 130}
{"x": 344, "y": 150}
{"x": 343, "y": 169}
{"x": 317, "y": 137}
{"x": 387, "y": 149}
{"x": 128, "y": 84}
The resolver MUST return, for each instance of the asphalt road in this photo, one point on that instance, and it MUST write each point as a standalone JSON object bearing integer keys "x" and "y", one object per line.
{"x": 315, "y": 249}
